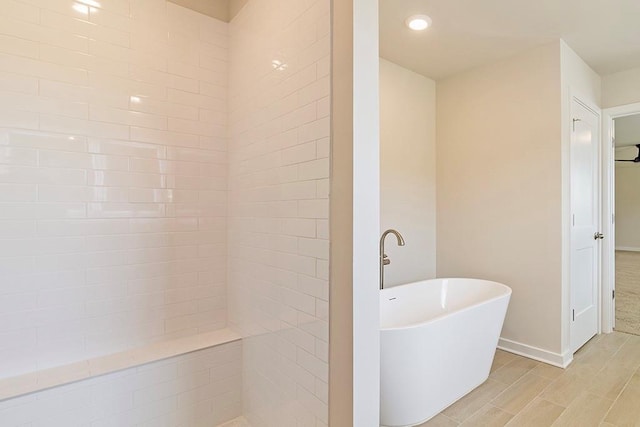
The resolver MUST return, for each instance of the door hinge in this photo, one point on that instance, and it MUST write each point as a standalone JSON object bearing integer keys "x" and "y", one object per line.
{"x": 574, "y": 123}
{"x": 573, "y": 314}
{"x": 613, "y": 294}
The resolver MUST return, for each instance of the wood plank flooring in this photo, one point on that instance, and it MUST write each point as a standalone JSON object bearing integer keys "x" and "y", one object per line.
{"x": 628, "y": 292}
{"x": 601, "y": 388}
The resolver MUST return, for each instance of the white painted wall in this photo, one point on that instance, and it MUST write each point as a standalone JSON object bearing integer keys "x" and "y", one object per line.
{"x": 577, "y": 80}
{"x": 578, "y": 77}
{"x": 627, "y": 205}
{"x": 621, "y": 88}
{"x": 408, "y": 172}
{"x": 503, "y": 197}
{"x": 499, "y": 200}
{"x": 342, "y": 308}
{"x": 366, "y": 214}
{"x": 354, "y": 392}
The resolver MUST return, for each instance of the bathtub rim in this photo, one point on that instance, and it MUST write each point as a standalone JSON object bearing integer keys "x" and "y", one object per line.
{"x": 507, "y": 294}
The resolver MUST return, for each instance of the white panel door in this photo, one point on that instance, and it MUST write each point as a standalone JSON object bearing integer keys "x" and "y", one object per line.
{"x": 585, "y": 209}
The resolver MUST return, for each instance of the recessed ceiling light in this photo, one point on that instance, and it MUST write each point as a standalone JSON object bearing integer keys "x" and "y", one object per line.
{"x": 418, "y": 22}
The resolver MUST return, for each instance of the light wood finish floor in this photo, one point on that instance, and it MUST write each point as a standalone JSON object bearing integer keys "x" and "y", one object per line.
{"x": 601, "y": 388}
{"x": 628, "y": 292}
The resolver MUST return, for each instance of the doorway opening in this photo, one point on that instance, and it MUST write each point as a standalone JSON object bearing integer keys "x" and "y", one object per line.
{"x": 621, "y": 220}
{"x": 627, "y": 223}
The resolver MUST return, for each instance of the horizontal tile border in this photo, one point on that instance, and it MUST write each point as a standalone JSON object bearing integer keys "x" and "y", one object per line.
{"x": 54, "y": 377}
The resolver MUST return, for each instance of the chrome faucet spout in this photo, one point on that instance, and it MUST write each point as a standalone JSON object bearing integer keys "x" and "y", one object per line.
{"x": 384, "y": 259}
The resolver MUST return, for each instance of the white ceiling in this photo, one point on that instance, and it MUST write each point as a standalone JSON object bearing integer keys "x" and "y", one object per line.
{"x": 224, "y": 10}
{"x": 627, "y": 130}
{"x": 469, "y": 33}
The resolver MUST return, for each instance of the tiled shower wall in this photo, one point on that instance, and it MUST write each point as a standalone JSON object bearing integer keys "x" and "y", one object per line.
{"x": 113, "y": 177}
{"x": 278, "y": 207}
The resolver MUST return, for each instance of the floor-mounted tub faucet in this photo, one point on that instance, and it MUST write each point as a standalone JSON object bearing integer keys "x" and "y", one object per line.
{"x": 384, "y": 259}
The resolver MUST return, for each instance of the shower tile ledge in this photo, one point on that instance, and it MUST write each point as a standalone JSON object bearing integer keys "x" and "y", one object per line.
{"x": 54, "y": 377}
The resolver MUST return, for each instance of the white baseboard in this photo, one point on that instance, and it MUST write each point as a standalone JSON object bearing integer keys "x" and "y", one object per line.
{"x": 535, "y": 353}
{"x": 627, "y": 248}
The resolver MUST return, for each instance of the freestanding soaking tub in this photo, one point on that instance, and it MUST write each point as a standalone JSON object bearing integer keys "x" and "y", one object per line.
{"x": 438, "y": 340}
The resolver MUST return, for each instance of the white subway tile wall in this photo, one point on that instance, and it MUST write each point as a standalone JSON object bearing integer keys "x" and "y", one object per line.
{"x": 278, "y": 207}
{"x": 200, "y": 389}
{"x": 113, "y": 180}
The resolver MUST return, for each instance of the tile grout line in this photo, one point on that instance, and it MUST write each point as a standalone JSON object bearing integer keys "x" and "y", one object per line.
{"x": 591, "y": 379}
{"x": 451, "y": 419}
{"x": 594, "y": 351}
{"x": 626, "y": 384}
{"x": 511, "y": 385}
{"x": 538, "y": 396}
{"x": 616, "y": 399}
{"x": 488, "y": 402}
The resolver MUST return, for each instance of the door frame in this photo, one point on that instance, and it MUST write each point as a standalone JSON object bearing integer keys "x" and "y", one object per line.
{"x": 608, "y": 271}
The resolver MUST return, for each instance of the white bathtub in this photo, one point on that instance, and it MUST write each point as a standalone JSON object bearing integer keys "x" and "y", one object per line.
{"x": 438, "y": 340}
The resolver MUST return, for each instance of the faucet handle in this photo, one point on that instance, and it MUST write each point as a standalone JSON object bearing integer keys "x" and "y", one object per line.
{"x": 385, "y": 260}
